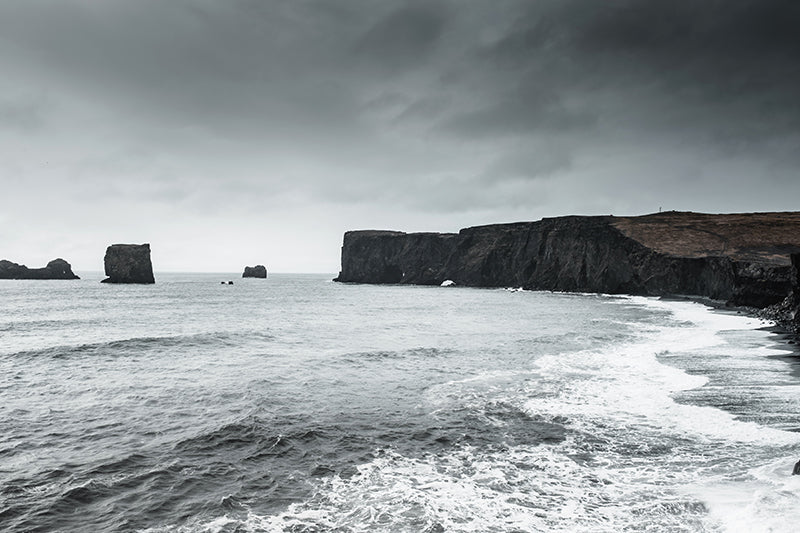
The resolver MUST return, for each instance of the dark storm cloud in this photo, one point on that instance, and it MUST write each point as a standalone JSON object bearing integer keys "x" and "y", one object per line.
{"x": 218, "y": 65}
{"x": 718, "y": 68}
{"x": 527, "y": 163}
{"x": 404, "y": 37}
{"x": 550, "y": 65}
{"x": 530, "y": 109}
{"x": 506, "y": 108}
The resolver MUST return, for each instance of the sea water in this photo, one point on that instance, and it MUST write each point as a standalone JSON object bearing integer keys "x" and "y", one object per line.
{"x": 300, "y": 405}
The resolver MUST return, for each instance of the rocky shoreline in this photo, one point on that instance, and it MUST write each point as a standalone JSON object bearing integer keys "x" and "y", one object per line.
{"x": 786, "y": 313}
{"x": 745, "y": 260}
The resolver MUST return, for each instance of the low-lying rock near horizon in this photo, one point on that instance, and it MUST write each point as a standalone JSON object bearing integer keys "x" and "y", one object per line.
{"x": 128, "y": 263}
{"x": 743, "y": 259}
{"x": 258, "y": 271}
{"x": 55, "y": 269}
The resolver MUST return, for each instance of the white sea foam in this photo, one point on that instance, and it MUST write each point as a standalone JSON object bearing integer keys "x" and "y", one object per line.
{"x": 765, "y": 498}
{"x": 622, "y": 396}
{"x": 627, "y": 385}
{"x": 632, "y": 457}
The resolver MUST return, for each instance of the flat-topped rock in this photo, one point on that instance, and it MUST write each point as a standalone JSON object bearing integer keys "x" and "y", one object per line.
{"x": 55, "y": 269}
{"x": 740, "y": 258}
{"x": 128, "y": 263}
{"x": 258, "y": 271}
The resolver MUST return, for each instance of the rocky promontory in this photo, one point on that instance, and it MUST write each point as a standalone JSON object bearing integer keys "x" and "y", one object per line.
{"x": 55, "y": 269}
{"x": 128, "y": 263}
{"x": 743, "y": 259}
{"x": 258, "y": 271}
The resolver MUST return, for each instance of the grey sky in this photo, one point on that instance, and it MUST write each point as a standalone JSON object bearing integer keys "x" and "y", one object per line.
{"x": 231, "y": 133}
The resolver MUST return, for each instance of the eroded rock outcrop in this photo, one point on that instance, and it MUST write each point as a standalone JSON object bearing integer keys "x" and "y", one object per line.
{"x": 787, "y": 312}
{"x": 258, "y": 271}
{"x": 794, "y": 313}
{"x": 739, "y": 258}
{"x": 55, "y": 269}
{"x": 128, "y": 263}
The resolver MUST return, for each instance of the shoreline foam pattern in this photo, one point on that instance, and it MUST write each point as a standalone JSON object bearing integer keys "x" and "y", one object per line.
{"x": 632, "y": 459}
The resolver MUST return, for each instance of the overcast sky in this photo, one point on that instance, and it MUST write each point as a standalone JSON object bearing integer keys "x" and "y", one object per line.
{"x": 256, "y": 131}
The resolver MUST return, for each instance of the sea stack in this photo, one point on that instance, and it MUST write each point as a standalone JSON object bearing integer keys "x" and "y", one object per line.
{"x": 128, "y": 263}
{"x": 55, "y": 269}
{"x": 258, "y": 271}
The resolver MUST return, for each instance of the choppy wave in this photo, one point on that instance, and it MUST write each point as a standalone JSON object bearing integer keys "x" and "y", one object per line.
{"x": 375, "y": 409}
{"x": 138, "y": 345}
{"x": 622, "y": 454}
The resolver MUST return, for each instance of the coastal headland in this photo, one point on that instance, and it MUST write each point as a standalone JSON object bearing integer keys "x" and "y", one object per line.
{"x": 743, "y": 259}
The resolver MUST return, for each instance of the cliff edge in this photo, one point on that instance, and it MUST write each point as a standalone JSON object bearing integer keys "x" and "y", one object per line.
{"x": 743, "y": 259}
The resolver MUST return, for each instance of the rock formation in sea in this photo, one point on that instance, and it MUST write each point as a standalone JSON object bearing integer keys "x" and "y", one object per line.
{"x": 55, "y": 269}
{"x": 128, "y": 263}
{"x": 743, "y": 259}
{"x": 258, "y": 271}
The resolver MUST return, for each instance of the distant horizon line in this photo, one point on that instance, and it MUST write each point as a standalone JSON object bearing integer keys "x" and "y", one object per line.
{"x": 101, "y": 272}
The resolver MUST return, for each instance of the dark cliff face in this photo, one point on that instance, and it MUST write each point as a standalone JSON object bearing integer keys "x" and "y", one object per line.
{"x": 567, "y": 254}
{"x": 258, "y": 271}
{"x": 395, "y": 257}
{"x": 587, "y": 254}
{"x": 128, "y": 263}
{"x": 787, "y": 312}
{"x": 55, "y": 269}
{"x": 794, "y": 309}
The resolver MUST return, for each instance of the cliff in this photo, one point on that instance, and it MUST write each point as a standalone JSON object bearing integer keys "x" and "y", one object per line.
{"x": 739, "y": 258}
{"x": 793, "y": 317}
{"x": 55, "y": 269}
{"x": 128, "y": 263}
{"x": 787, "y": 312}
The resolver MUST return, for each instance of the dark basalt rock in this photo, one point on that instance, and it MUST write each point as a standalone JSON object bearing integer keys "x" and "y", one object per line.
{"x": 396, "y": 257}
{"x": 55, "y": 269}
{"x": 258, "y": 271}
{"x": 787, "y": 312}
{"x": 128, "y": 263}
{"x": 742, "y": 259}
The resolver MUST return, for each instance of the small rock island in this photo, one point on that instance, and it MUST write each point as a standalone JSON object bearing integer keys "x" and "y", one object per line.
{"x": 55, "y": 269}
{"x": 258, "y": 271}
{"x": 128, "y": 263}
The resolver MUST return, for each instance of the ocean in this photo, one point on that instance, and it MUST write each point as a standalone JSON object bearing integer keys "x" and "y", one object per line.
{"x": 295, "y": 404}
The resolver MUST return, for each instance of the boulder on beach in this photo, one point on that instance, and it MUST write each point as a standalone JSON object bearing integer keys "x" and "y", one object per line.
{"x": 128, "y": 263}
{"x": 55, "y": 269}
{"x": 258, "y": 271}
